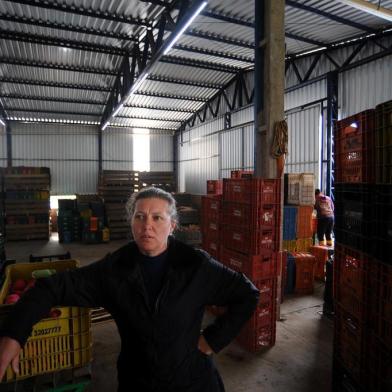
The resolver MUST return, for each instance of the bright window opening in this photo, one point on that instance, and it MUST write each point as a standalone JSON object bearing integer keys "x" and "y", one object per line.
{"x": 141, "y": 150}
{"x": 54, "y": 200}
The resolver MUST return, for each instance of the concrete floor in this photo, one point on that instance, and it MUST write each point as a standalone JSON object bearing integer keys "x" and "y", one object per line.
{"x": 299, "y": 362}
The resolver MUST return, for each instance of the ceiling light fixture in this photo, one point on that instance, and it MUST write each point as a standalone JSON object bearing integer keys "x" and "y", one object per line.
{"x": 186, "y": 25}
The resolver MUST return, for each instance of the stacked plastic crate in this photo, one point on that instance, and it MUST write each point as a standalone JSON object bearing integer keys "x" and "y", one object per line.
{"x": 250, "y": 240}
{"x": 211, "y": 218}
{"x": 362, "y": 269}
{"x": 299, "y": 201}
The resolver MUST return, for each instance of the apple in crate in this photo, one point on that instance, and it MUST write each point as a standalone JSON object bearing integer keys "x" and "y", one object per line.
{"x": 18, "y": 285}
{"x": 11, "y": 299}
{"x": 30, "y": 284}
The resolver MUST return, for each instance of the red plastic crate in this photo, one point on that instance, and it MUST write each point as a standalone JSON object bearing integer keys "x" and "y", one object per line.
{"x": 255, "y": 217}
{"x": 350, "y": 343}
{"x": 267, "y": 288}
{"x": 321, "y": 254}
{"x": 211, "y": 205}
{"x": 264, "y": 316}
{"x": 241, "y": 174}
{"x": 381, "y": 300}
{"x": 256, "y": 340}
{"x": 304, "y": 221}
{"x": 254, "y": 267}
{"x": 251, "y": 190}
{"x": 210, "y": 227}
{"x": 247, "y": 241}
{"x": 379, "y": 366}
{"x": 354, "y": 148}
{"x": 351, "y": 270}
{"x": 214, "y": 187}
{"x": 212, "y": 246}
{"x": 304, "y": 272}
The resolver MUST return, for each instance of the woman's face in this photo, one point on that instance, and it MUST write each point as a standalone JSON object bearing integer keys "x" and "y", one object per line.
{"x": 151, "y": 225}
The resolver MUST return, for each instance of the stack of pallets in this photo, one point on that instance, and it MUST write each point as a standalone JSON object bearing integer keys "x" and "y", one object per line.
{"x": 163, "y": 180}
{"x": 115, "y": 187}
{"x": 26, "y": 203}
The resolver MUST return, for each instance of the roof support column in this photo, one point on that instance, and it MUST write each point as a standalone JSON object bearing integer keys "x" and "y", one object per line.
{"x": 269, "y": 93}
{"x": 100, "y": 150}
{"x": 9, "y": 143}
{"x": 332, "y": 116}
{"x": 269, "y": 81}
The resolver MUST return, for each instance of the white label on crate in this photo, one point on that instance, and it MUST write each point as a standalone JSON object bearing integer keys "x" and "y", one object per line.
{"x": 236, "y": 188}
{"x": 46, "y": 331}
{"x": 214, "y": 206}
{"x": 237, "y": 213}
{"x": 213, "y": 246}
{"x": 236, "y": 237}
{"x": 268, "y": 217}
{"x": 235, "y": 263}
{"x": 213, "y": 226}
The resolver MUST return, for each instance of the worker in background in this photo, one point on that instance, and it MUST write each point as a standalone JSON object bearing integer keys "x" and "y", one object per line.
{"x": 325, "y": 217}
{"x": 156, "y": 289}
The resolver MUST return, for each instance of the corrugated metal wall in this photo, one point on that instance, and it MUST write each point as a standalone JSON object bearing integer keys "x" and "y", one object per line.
{"x": 161, "y": 153}
{"x": 304, "y": 128}
{"x": 198, "y": 152}
{"x": 3, "y": 147}
{"x": 305, "y": 95}
{"x": 117, "y": 149}
{"x": 234, "y": 148}
{"x": 359, "y": 89}
{"x": 69, "y": 151}
{"x": 365, "y": 87}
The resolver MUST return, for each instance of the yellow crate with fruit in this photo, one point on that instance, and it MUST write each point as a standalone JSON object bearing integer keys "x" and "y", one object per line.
{"x": 61, "y": 341}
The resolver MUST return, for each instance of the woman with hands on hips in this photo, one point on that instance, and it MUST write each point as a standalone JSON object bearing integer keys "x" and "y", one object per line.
{"x": 156, "y": 288}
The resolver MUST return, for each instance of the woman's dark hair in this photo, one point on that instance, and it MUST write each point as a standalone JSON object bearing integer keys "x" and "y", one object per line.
{"x": 152, "y": 193}
{"x": 317, "y": 192}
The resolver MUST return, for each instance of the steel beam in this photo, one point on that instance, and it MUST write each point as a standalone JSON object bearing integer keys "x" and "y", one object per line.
{"x": 304, "y": 39}
{"x": 60, "y": 67}
{"x": 213, "y": 53}
{"x": 217, "y": 38}
{"x": 88, "y": 12}
{"x": 148, "y": 118}
{"x": 9, "y": 143}
{"x": 199, "y": 64}
{"x": 52, "y": 112}
{"x": 170, "y": 96}
{"x": 120, "y": 94}
{"x": 52, "y": 99}
{"x": 53, "y": 84}
{"x": 332, "y": 116}
{"x": 62, "y": 43}
{"x": 64, "y": 27}
{"x": 162, "y": 108}
{"x": 329, "y": 16}
{"x": 193, "y": 83}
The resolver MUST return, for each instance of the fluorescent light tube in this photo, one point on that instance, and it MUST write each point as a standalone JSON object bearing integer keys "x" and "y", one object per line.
{"x": 178, "y": 35}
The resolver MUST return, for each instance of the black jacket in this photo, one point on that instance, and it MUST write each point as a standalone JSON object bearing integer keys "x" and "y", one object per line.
{"x": 159, "y": 346}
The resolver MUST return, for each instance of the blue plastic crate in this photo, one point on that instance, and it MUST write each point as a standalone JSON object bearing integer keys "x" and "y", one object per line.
{"x": 290, "y": 223}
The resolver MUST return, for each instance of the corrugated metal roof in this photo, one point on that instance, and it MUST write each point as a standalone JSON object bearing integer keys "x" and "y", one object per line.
{"x": 215, "y": 48}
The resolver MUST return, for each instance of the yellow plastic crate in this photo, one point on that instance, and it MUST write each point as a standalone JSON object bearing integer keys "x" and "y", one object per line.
{"x": 304, "y": 244}
{"x": 290, "y": 245}
{"x": 57, "y": 343}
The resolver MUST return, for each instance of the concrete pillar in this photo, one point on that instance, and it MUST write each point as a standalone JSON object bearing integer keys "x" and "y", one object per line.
{"x": 269, "y": 80}
{"x": 269, "y": 93}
